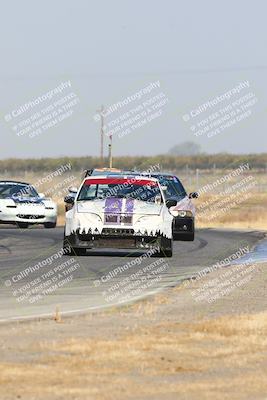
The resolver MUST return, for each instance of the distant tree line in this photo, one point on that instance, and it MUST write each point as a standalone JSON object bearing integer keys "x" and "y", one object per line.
{"x": 186, "y": 149}
{"x": 166, "y": 162}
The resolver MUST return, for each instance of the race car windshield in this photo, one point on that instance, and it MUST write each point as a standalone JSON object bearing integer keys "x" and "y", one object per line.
{"x": 11, "y": 190}
{"x": 145, "y": 190}
{"x": 173, "y": 187}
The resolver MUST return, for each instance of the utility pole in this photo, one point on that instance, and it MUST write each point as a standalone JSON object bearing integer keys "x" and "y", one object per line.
{"x": 101, "y": 111}
{"x": 197, "y": 179}
{"x": 110, "y": 151}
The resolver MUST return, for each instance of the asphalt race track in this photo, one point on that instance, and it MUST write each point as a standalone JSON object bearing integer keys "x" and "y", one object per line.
{"x": 35, "y": 280}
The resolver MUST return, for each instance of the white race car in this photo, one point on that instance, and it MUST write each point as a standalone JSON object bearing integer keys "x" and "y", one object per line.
{"x": 21, "y": 205}
{"x": 122, "y": 212}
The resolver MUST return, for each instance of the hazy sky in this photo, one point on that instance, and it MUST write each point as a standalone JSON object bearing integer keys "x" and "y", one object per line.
{"x": 110, "y": 50}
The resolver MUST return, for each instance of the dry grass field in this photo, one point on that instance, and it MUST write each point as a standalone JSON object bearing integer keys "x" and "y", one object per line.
{"x": 158, "y": 348}
{"x": 165, "y": 357}
{"x": 251, "y": 213}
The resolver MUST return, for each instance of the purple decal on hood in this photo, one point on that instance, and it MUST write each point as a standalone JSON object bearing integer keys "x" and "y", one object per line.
{"x": 129, "y": 206}
{"x": 113, "y": 205}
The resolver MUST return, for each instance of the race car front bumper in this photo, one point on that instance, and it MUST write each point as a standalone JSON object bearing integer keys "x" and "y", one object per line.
{"x": 114, "y": 238}
{"x": 15, "y": 216}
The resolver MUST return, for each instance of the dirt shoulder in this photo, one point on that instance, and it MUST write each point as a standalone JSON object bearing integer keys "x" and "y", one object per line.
{"x": 206, "y": 339}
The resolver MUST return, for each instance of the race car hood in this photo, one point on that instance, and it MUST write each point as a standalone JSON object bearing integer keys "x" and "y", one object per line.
{"x": 185, "y": 204}
{"x": 113, "y": 205}
{"x": 145, "y": 218}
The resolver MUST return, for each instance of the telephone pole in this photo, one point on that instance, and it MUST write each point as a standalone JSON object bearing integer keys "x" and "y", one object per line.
{"x": 110, "y": 151}
{"x": 101, "y": 111}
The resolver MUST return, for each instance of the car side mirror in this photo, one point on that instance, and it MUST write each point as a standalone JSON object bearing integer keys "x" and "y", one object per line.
{"x": 171, "y": 203}
{"x": 193, "y": 195}
{"x": 72, "y": 189}
{"x": 69, "y": 199}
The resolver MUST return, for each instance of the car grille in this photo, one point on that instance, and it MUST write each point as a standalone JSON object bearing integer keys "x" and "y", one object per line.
{"x": 118, "y": 231}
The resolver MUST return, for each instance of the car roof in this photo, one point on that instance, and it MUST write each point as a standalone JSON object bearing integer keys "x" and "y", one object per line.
{"x": 158, "y": 174}
{"x": 16, "y": 182}
{"x": 106, "y": 171}
{"x": 119, "y": 176}
{"x": 120, "y": 172}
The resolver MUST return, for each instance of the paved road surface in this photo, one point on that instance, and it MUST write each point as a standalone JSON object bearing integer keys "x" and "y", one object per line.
{"x": 35, "y": 280}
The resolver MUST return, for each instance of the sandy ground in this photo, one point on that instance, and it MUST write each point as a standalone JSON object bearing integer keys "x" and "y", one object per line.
{"x": 206, "y": 339}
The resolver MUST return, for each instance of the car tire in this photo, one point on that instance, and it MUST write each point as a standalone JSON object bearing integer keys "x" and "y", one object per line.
{"x": 189, "y": 237}
{"x": 50, "y": 225}
{"x": 23, "y": 225}
{"x": 176, "y": 236}
{"x": 79, "y": 252}
{"x": 166, "y": 248}
{"x": 166, "y": 253}
{"x": 72, "y": 251}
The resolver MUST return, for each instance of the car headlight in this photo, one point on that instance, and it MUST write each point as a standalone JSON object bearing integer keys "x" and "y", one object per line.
{"x": 181, "y": 213}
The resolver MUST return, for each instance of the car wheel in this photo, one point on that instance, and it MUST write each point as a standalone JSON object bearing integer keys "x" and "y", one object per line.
{"x": 79, "y": 252}
{"x": 176, "y": 236}
{"x": 23, "y": 225}
{"x": 50, "y": 225}
{"x": 166, "y": 247}
{"x": 166, "y": 253}
{"x": 72, "y": 251}
{"x": 68, "y": 250}
{"x": 189, "y": 237}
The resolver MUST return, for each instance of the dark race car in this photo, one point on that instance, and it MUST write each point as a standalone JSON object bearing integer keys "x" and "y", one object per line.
{"x": 180, "y": 206}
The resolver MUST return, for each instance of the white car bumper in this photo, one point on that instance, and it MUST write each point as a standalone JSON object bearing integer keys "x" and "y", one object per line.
{"x": 30, "y": 216}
